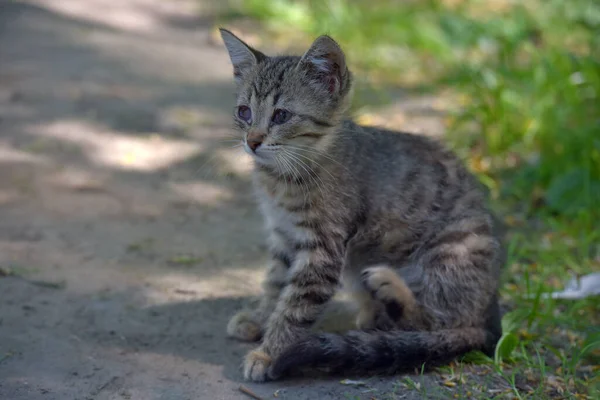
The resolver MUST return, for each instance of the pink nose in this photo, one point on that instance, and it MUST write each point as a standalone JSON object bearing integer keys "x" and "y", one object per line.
{"x": 254, "y": 140}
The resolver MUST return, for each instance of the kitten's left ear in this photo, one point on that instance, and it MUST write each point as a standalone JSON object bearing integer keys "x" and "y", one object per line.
{"x": 243, "y": 57}
{"x": 325, "y": 64}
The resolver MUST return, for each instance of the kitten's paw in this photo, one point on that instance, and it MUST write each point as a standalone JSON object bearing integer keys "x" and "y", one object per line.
{"x": 385, "y": 286}
{"x": 243, "y": 326}
{"x": 256, "y": 366}
{"x": 379, "y": 282}
{"x": 388, "y": 288}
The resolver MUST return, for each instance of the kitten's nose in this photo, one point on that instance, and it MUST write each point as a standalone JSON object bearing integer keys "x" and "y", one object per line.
{"x": 254, "y": 140}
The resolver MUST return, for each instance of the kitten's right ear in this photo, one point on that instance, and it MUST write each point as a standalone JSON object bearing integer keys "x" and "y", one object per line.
{"x": 325, "y": 65}
{"x": 243, "y": 57}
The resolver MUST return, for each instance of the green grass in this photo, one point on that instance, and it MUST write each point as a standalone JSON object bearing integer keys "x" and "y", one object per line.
{"x": 525, "y": 76}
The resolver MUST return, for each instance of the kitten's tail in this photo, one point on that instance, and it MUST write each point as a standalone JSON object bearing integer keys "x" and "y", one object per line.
{"x": 362, "y": 352}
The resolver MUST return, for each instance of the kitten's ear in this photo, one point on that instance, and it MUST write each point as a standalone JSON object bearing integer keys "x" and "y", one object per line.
{"x": 243, "y": 57}
{"x": 325, "y": 65}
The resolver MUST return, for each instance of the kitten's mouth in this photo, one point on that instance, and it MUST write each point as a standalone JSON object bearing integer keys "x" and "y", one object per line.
{"x": 264, "y": 154}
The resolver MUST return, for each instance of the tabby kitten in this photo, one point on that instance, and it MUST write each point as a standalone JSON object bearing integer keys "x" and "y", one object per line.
{"x": 396, "y": 214}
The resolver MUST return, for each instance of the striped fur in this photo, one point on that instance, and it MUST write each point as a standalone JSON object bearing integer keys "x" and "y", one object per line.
{"x": 394, "y": 216}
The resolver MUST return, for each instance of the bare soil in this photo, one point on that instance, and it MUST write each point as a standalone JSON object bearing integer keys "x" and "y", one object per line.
{"x": 128, "y": 232}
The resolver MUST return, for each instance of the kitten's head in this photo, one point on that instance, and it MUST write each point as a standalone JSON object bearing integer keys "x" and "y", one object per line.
{"x": 288, "y": 107}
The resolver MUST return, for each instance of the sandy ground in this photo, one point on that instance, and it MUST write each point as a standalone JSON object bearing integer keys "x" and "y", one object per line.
{"x": 128, "y": 233}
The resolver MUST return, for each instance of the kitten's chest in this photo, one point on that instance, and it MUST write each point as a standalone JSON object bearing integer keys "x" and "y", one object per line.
{"x": 281, "y": 204}
{"x": 294, "y": 227}
{"x": 277, "y": 216}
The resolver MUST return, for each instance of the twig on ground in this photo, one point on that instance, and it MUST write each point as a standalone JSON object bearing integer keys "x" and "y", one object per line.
{"x": 250, "y": 393}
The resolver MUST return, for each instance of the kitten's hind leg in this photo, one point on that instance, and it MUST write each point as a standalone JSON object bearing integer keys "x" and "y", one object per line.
{"x": 368, "y": 311}
{"x": 369, "y": 308}
{"x": 388, "y": 288}
{"x": 372, "y": 313}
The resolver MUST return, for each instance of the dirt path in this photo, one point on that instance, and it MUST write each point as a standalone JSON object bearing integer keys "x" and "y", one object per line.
{"x": 128, "y": 235}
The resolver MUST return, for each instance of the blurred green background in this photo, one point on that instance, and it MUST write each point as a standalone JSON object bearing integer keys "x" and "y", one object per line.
{"x": 526, "y": 75}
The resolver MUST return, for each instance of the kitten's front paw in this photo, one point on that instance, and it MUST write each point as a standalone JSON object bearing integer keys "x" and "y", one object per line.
{"x": 379, "y": 282}
{"x": 256, "y": 365}
{"x": 388, "y": 288}
{"x": 243, "y": 326}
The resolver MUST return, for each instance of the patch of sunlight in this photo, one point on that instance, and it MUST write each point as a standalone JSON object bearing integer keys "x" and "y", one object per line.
{"x": 9, "y": 197}
{"x": 179, "y": 118}
{"x": 227, "y": 282}
{"x": 382, "y": 118}
{"x": 367, "y": 119}
{"x": 226, "y": 162}
{"x": 201, "y": 192}
{"x": 234, "y": 161}
{"x": 134, "y": 16}
{"x": 9, "y": 154}
{"x": 116, "y": 150}
{"x": 80, "y": 180}
{"x": 136, "y": 41}
{"x": 421, "y": 115}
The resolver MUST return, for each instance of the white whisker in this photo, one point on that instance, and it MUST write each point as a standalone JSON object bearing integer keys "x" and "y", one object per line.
{"x": 318, "y": 164}
{"x": 309, "y": 170}
{"x": 312, "y": 150}
{"x": 297, "y": 176}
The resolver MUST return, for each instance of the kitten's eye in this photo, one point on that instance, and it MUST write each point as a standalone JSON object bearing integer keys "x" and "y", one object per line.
{"x": 244, "y": 113}
{"x": 281, "y": 116}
